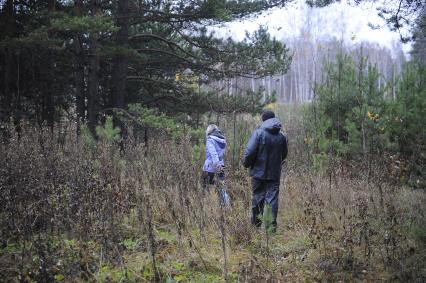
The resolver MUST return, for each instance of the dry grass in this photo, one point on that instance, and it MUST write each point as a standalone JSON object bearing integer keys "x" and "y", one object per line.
{"x": 72, "y": 212}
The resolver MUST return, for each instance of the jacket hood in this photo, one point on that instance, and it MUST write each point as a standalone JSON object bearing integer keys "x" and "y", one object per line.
{"x": 217, "y": 133}
{"x": 218, "y": 137}
{"x": 272, "y": 125}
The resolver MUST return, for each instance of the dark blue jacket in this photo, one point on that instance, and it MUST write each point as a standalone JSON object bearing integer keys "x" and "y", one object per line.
{"x": 266, "y": 150}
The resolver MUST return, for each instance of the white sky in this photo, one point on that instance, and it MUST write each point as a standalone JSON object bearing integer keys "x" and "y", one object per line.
{"x": 332, "y": 21}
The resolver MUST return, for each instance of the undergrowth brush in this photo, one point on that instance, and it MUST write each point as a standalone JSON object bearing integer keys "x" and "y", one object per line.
{"x": 110, "y": 212}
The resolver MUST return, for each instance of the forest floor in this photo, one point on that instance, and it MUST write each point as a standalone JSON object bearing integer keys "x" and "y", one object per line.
{"x": 79, "y": 212}
{"x": 341, "y": 232}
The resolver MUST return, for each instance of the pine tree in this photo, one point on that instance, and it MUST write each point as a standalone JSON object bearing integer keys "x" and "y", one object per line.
{"x": 124, "y": 51}
{"x": 419, "y": 35}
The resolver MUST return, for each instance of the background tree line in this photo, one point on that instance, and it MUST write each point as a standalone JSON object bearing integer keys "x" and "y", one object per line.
{"x": 81, "y": 59}
{"x": 315, "y": 39}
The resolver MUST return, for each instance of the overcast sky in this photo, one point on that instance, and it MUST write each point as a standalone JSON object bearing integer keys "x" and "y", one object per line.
{"x": 336, "y": 20}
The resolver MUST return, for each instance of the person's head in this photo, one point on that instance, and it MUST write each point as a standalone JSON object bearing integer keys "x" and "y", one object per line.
{"x": 211, "y": 128}
{"x": 267, "y": 114}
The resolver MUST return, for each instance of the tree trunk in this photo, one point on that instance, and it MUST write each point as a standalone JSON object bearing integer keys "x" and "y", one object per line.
{"x": 93, "y": 83}
{"x": 79, "y": 70}
{"x": 48, "y": 101}
{"x": 393, "y": 82}
{"x": 17, "y": 101}
{"x": 48, "y": 97}
{"x": 270, "y": 86}
{"x": 291, "y": 76}
{"x": 361, "y": 99}
{"x": 120, "y": 61}
{"x": 52, "y": 5}
{"x": 298, "y": 85}
{"x": 6, "y": 99}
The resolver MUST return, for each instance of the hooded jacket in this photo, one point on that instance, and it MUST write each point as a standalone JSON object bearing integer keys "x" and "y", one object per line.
{"x": 266, "y": 150}
{"x": 215, "y": 151}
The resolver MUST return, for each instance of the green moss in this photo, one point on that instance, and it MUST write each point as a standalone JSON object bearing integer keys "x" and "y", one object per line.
{"x": 297, "y": 244}
{"x": 196, "y": 276}
{"x": 111, "y": 274}
{"x": 169, "y": 236}
{"x": 419, "y": 233}
{"x": 11, "y": 248}
{"x": 130, "y": 244}
{"x": 59, "y": 278}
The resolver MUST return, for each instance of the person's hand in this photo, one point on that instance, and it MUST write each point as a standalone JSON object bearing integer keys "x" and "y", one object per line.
{"x": 219, "y": 168}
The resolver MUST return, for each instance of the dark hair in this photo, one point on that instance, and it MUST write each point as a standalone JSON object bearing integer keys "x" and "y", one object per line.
{"x": 267, "y": 114}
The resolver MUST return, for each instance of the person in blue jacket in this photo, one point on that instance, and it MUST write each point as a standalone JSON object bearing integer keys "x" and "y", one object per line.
{"x": 214, "y": 163}
{"x": 264, "y": 155}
